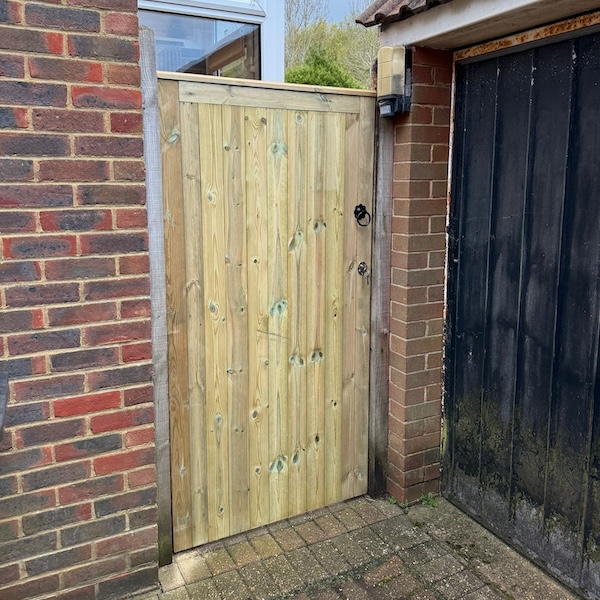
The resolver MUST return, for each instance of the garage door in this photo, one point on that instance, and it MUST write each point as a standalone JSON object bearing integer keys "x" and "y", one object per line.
{"x": 522, "y": 427}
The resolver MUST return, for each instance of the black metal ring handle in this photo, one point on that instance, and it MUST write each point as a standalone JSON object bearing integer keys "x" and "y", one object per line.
{"x": 362, "y": 216}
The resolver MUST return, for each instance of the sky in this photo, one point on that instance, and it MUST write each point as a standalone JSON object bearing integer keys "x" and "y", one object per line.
{"x": 338, "y": 9}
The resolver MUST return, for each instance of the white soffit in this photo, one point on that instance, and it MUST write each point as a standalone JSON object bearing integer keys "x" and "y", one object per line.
{"x": 462, "y": 23}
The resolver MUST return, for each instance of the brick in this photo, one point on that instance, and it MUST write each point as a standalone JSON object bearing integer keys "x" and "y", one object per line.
{"x": 119, "y": 74}
{"x": 16, "y": 222}
{"x": 9, "y": 531}
{"x": 134, "y": 265}
{"x": 42, "y": 341}
{"x": 84, "y": 359}
{"x": 12, "y": 118}
{"x": 120, "y": 377}
{"x": 54, "y": 519}
{"x": 130, "y": 540}
{"x": 131, "y": 309}
{"x": 88, "y": 447}
{"x": 107, "y": 98}
{"x": 136, "y": 499}
{"x": 84, "y": 532}
{"x": 55, "y": 476}
{"x": 120, "y": 5}
{"x": 25, "y": 196}
{"x": 12, "y": 272}
{"x": 108, "y": 146}
{"x": 52, "y": 387}
{"x": 145, "y": 557}
{"x": 73, "y": 170}
{"x": 8, "y": 486}
{"x": 16, "y": 170}
{"x": 103, "y": 48}
{"x": 122, "y": 420}
{"x": 28, "y": 40}
{"x": 96, "y": 487}
{"x": 144, "y": 517}
{"x": 75, "y": 220}
{"x": 129, "y": 170}
{"x": 124, "y": 461}
{"x": 59, "y": 69}
{"x": 11, "y": 66}
{"x": 58, "y": 560}
{"x": 84, "y": 313}
{"x": 64, "y": 19}
{"x": 21, "y": 461}
{"x": 141, "y": 478}
{"x": 30, "y": 93}
{"x": 67, "y": 120}
{"x": 27, "y": 547}
{"x": 20, "y": 414}
{"x": 39, "y": 246}
{"x": 134, "y": 218}
{"x": 10, "y": 12}
{"x": 118, "y": 587}
{"x": 121, "y": 24}
{"x": 432, "y": 57}
{"x": 116, "y": 288}
{"x": 51, "y": 432}
{"x": 114, "y": 243}
{"x": 31, "y": 588}
{"x": 98, "y": 569}
{"x": 139, "y": 395}
{"x": 20, "y": 367}
{"x": 117, "y": 333}
{"x": 111, "y": 195}
{"x": 126, "y": 123}
{"x": 136, "y": 352}
{"x": 9, "y": 574}
{"x": 80, "y": 268}
{"x": 33, "y": 144}
{"x": 67, "y": 407}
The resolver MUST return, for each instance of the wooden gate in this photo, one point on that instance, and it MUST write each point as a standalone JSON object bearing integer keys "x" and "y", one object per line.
{"x": 522, "y": 450}
{"x": 268, "y": 312}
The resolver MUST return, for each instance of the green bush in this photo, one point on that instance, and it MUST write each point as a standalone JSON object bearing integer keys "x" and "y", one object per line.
{"x": 321, "y": 69}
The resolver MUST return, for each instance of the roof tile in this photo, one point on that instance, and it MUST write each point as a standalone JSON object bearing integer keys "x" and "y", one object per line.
{"x": 383, "y": 12}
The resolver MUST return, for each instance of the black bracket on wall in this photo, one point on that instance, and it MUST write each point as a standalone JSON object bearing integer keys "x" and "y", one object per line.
{"x": 3, "y": 398}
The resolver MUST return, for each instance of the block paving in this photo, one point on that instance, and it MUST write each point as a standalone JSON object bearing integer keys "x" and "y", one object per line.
{"x": 360, "y": 549}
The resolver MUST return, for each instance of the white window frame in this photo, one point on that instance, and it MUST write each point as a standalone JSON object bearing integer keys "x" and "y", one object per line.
{"x": 269, "y": 14}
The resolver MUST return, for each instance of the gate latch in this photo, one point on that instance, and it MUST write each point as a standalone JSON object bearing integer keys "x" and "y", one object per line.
{"x": 361, "y": 214}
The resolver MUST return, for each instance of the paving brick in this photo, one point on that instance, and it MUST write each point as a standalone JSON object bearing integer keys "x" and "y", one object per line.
{"x": 330, "y": 558}
{"x": 458, "y": 585}
{"x": 283, "y": 574}
{"x": 203, "y": 590}
{"x": 232, "y": 587}
{"x": 170, "y": 578}
{"x": 219, "y": 561}
{"x": 399, "y": 587}
{"x": 242, "y": 553}
{"x": 307, "y": 566}
{"x": 288, "y": 539}
{"x": 423, "y": 553}
{"x": 351, "y": 551}
{"x": 265, "y": 546}
{"x": 390, "y": 569}
{"x": 310, "y": 532}
{"x": 439, "y": 568}
{"x": 330, "y": 525}
{"x": 193, "y": 569}
{"x": 350, "y": 519}
{"x": 258, "y": 581}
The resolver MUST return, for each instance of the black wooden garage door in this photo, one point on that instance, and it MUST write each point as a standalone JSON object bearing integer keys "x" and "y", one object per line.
{"x": 522, "y": 420}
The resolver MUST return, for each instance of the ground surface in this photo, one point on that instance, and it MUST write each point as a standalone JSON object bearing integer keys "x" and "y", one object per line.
{"x": 357, "y": 550}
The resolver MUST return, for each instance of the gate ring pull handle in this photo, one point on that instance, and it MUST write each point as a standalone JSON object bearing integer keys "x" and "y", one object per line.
{"x": 362, "y": 216}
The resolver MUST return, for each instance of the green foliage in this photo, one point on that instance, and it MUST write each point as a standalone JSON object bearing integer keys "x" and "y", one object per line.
{"x": 320, "y": 68}
{"x": 429, "y": 500}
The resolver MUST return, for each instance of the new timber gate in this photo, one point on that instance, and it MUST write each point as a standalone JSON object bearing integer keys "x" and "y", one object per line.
{"x": 268, "y": 296}
{"x": 522, "y": 428}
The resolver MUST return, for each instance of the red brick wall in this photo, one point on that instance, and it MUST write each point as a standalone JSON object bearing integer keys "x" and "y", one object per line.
{"x": 77, "y": 480}
{"x": 417, "y": 286}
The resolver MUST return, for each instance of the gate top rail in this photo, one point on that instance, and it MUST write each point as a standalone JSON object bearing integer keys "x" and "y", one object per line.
{"x": 207, "y": 89}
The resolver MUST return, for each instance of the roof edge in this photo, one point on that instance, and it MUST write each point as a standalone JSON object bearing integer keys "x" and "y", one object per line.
{"x": 383, "y": 12}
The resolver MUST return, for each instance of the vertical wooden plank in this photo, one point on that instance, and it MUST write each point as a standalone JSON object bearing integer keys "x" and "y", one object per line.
{"x": 541, "y": 261}
{"x": 504, "y": 282}
{"x": 170, "y": 133}
{"x": 297, "y": 274}
{"x": 469, "y": 324}
{"x": 215, "y": 315}
{"x": 577, "y": 322}
{"x": 237, "y": 315}
{"x": 258, "y": 313}
{"x": 335, "y": 126}
{"x": 352, "y": 281}
{"x": 194, "y": 288}
{"x": 277, "y": 194}
{"x": 315, "y": 294}
{"x": 363, "y": 300}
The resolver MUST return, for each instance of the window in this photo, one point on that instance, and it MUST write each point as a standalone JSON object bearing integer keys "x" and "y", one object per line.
{"x": 230, "y": 38}
{"x": 204, "y": 46}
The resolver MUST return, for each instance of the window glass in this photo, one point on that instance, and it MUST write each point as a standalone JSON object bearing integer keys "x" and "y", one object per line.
{"x": 204, "y": 46}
